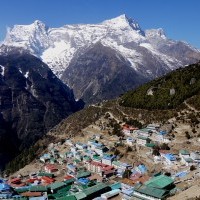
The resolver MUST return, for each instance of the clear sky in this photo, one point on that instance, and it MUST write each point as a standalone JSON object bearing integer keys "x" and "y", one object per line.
{"x": 179, "y": 18}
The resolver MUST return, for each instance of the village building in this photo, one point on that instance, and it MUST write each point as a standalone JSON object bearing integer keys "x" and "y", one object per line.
{"x": 108, "y": 159}
{"x": 50, "y": 168}
{"x": 169, "y": 158}
{"x": 81, "y": 146}
{"x": 128, "y": 130}
{"x": 195, "y": 156}
{"x": 157, "y": 188}
{"x": 142, "y": 140}
{"x": 130, "y": 141}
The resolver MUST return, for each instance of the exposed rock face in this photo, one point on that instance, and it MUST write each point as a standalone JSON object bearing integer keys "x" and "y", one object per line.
{"x": 32, "y": 101}
{"x": 101, "y": 73}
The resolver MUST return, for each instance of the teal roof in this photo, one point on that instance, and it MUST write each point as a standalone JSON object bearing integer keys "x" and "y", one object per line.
{"x": 69, "y": 181}
{"x": 80, "y": 195}
{"x": 142, "y": 138}
{"x": 116, "y": 186}
{"x": 153, "y": 192}
{"x": 71, "y": 197}
{"x": 151, "y": 145}
{"x": 189, "y": 160}
{"x": 96, "y": 157}
{"x": 56, "y": 185}
{"x": 117, "y": 163}
{"x": 95, "y": 188}
{"x": 46, "y": 174}
{"x": 161, "y": 181}
{"x": 83, "y": 174}
{"x": 38, "y": 188}
{"x": 22, "y": 189}
{"x": 184, "y": 152}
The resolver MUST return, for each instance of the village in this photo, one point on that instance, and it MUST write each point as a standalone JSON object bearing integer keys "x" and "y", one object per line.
{"x": 137, "y": 165}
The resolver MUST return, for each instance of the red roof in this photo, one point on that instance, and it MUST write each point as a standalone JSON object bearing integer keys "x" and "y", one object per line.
{"x": 103, "y": 166}
{"x": 31, "y": 194}
{"x": 31, "y": 180}
{"x": 128, "y": 127}
{"x": 67, "y": 177}
{"x": 15, "y": 180}
{"x": 17, "y": 185}
{"x": 50, "y": 166}
{"x": 47, "y": 179}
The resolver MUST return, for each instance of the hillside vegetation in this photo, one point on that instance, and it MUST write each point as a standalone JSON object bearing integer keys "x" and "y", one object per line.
{"x": 167, "y": 92}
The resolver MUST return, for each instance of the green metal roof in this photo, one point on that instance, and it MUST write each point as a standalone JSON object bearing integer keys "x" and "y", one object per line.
{"x": 117, "y": 185}
{"x": 161, "y": 181}
{"x": 150, "y": 145}
{"x": 21, "y": 190}
{"x": 77, "y": 160}
{"x": 56, "y": 185}
{"x": 153, "y": 192}
{"x": 189, "y": 160}
{"x": 71, "y": 197}
{"x": 96, "y": 157}
{"x": 117, "y": 163}
{"x": 69, "y": 181}
{"x": 142, "y": 138}
{"x": 80, "y": 195}
{"x": 46, "y": 174}
{"x": 38, "y": 188}
{"x": 146, "y": 130}
{"x": 83, "y": 174}
{"x": 86, "y": 158}
{"x": 94, "y": 188}
{"x": 184, "y": 152}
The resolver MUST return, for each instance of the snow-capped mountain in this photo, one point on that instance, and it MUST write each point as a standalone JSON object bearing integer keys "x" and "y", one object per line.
{"x": 149, "y": 53}
{"x": 57, "y": 46}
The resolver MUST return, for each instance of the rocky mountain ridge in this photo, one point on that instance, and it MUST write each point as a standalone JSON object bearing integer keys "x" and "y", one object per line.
{"x": 146, "y": 54}
{"x": 32, "y": 101}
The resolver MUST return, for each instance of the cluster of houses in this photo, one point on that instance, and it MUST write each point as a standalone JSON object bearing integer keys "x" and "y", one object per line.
{"x": 149, "y": 135}
{"x": 90, "y": 171}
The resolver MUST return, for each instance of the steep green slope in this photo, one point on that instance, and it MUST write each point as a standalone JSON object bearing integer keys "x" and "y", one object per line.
{"x": 167, "y": 92}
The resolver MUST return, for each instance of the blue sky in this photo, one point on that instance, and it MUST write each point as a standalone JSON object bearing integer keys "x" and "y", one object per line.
{"x": 179, "y": 18}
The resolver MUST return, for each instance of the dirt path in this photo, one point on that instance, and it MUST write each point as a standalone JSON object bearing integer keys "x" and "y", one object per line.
{"x": 191, "y": 107}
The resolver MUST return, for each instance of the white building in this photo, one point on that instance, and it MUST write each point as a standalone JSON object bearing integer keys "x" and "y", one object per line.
{"x": 141, "y": 140}
{"x": 130, "y": 141}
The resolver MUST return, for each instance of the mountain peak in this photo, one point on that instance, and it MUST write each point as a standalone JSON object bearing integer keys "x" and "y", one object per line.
{"x": 38, "y": 23}
{"x": 123, "y": 21}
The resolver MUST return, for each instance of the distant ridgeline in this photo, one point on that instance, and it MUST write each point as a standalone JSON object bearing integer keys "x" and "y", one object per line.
{"x": 168, "y": 91}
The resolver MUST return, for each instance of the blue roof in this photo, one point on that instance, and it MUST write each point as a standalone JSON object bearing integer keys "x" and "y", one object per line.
{"x": 163, "y": 132}
{"x": 142, "y": 168}
{"x": 108, "y": 157}
{"x": 37, "y": 198}
{"x": 5, "y": 196}
{"x": 181, "y": 174}
{"x": 97, "y": 144}
{"x": 128, "y": 191}
{"x": 1, "y": 181}
{"x": 83, "y": 180}
{"x": 4, "y": 187}
{"x": 170, "y": 157}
